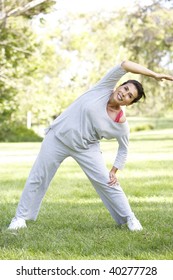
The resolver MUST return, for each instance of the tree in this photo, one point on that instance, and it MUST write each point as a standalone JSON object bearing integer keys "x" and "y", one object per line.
{"x": 17, "y": 44}
{"x": 149, "y": 40}
{"x": 44, "y": 72}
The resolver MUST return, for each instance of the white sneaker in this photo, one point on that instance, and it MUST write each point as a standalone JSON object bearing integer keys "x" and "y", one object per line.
{"x": 133, "y": 224}
{"x": 17, "y": 223}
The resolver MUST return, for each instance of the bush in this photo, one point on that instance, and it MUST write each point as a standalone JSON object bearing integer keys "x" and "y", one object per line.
{"x": 142, "y": 127}
{"x": 17, "y": 133}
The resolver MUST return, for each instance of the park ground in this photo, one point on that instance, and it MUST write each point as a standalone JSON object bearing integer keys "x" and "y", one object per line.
{"x": 73, "y": 223}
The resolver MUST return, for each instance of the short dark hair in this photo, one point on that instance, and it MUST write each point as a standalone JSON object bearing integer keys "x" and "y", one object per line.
{"x": 139, "y": 88}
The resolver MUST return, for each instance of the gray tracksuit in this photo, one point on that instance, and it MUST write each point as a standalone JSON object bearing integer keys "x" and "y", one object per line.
{"x": 76, "y": 133}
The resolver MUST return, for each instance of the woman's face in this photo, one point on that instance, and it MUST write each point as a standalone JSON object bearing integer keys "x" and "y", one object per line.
{"x": 125, "y": 94}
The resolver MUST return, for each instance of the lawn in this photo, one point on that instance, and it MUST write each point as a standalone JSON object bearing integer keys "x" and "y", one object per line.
{"x": 73, "y": 223}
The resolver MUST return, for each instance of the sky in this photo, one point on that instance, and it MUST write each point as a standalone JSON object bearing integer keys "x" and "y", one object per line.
{"x": 95, "y": 5}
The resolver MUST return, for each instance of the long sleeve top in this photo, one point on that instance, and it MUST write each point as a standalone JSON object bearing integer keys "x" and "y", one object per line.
{"x": 86, "y": 121}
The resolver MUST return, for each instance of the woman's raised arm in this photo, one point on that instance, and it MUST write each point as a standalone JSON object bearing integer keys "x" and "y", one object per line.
{"x": 136, "y": 68}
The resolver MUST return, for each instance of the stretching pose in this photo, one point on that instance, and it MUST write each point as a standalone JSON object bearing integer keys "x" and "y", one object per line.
{"x": 76, "y": 132}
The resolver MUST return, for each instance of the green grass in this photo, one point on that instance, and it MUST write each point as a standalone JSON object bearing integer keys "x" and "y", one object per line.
{"x": 73, "y": 223}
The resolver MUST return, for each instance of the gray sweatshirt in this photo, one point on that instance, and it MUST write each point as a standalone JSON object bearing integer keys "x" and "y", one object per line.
{"x": 86, "y": 121}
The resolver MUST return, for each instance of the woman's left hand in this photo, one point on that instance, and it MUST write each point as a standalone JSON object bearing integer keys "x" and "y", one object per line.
{"x": 112, "y": 176}
{"x": 161, "y": 77}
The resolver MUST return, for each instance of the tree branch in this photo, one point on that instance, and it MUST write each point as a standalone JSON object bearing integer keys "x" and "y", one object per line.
{"x": 20, "y": 10}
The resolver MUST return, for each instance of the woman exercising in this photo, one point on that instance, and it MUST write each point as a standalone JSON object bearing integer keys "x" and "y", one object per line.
{"x": 76, "y": 132}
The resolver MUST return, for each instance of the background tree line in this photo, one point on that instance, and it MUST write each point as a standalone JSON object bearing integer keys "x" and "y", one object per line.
{"x": 49, "y": 57}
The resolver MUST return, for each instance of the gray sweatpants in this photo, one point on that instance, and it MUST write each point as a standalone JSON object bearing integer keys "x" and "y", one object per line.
{"x": 51, "y": 155}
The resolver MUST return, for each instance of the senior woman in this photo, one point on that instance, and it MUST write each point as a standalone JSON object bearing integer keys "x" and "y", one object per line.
{"x": 77, "y": 132}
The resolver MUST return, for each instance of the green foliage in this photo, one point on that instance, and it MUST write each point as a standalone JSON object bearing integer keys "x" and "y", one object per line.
{"x": 94, "y": 42}
{"x": 44, "y": 67}
{"x": 17, "y": 45}
{"x": 15, "y": 51}
{"x": 142, "y": 127}
{"x": 153, "y": 122}
{"x": 148, "y": 38}
{"x": 14, "y": 132}
{"x": 26, "y": 8}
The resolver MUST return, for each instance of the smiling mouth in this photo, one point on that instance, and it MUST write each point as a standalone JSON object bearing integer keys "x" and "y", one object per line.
{"x": 119, "y": 97}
